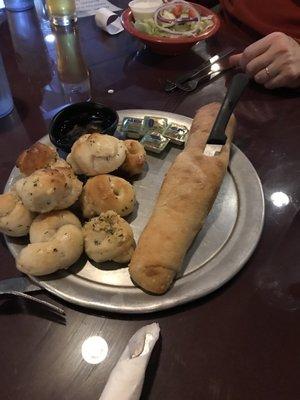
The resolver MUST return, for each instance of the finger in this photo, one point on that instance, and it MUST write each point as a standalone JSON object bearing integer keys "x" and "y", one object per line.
{"x": 267, "y": 73}
{"x": 281, "y": 80}
{"x": 234, "y": 60}
{"x": 276, "y": 82}
{"x": 255, "y": 50}
{"x": 261, "y": 77}
{"x": 259, "y": 63}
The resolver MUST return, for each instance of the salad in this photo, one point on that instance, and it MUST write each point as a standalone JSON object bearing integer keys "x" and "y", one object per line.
{"x": 174, "y": 19}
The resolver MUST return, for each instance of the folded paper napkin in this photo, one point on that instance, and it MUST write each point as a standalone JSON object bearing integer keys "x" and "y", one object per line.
{"x": 89, "y": 7}
{"x": 127, "y": 377}
{"x": 108, "y": 21}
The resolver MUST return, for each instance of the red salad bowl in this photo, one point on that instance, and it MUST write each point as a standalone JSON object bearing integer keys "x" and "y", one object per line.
{"x": 171, "y": 46}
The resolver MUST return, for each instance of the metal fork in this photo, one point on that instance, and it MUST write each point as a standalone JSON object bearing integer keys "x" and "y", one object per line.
{"x": 197, "y": 74}
{"x": 8, "y": 286}
{"x": 192, "y": 84}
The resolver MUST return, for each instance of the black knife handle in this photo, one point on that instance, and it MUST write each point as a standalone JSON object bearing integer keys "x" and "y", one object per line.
{"x": 234, "y": 92}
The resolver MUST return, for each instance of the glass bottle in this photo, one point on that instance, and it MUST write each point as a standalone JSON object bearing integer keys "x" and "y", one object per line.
{"x": 18, "y": 5}
{"x": 6, "y": 101}
{"x": 72, "y": 70}
{"x": 29, "y": 46}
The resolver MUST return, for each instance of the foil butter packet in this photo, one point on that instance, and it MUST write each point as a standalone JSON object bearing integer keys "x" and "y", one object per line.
{"x": 132, "y": 127}
{"x": 154, "y": 124}
{"x": 154, "y": 142}
{"x": 176, "y": 133}
{"x": 155, "y": 132}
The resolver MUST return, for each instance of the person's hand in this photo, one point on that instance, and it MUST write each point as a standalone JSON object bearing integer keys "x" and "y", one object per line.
{"x": 273, "y": 61}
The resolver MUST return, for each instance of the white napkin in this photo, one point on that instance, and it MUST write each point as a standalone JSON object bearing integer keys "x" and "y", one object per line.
{"x": 127, "y": 377}
{"x": 89, "y": 7}
{"x": 108, "y": 21}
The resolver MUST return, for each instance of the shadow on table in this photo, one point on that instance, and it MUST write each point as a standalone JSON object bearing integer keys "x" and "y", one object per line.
{"x": 15, "y": 305}
{"x": 151, "y": 370}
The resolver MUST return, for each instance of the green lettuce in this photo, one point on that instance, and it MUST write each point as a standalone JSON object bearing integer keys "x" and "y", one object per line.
{"x": 149, "y": 27}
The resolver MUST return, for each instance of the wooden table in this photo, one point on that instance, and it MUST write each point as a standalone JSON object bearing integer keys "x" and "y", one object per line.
{"x": 241, "y": 342}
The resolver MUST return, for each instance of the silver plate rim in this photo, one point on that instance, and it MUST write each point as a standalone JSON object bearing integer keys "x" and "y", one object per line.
{"x": 224, "y": 265}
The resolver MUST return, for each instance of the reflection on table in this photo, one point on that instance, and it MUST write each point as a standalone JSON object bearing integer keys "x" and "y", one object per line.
{"x": 71, "y": 79}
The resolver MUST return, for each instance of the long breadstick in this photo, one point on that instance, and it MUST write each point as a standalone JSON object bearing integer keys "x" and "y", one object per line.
{"x": 185, "y": 199}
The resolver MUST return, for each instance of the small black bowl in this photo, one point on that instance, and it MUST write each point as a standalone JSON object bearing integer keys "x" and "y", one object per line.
{"x": 77, "y": 119}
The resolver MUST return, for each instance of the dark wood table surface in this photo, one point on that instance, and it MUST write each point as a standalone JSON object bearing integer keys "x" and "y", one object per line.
{"x": 241, "y": 342}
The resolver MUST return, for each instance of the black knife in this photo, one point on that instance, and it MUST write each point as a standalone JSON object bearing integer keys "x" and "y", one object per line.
{"x": 171, "y": 85}
{"x": 217, "y": 137}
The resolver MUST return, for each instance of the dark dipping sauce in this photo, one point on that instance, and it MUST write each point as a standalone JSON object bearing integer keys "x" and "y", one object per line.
{"x": 78, "y": 119}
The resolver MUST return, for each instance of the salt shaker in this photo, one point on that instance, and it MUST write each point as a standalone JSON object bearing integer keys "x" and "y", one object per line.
{"x": 6, "y": 101}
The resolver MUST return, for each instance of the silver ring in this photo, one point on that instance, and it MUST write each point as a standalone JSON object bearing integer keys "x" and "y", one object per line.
{"x": 268, "y": 73}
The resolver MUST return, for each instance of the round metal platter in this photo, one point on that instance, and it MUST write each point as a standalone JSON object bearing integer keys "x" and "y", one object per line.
{"x": 227, "y": 240}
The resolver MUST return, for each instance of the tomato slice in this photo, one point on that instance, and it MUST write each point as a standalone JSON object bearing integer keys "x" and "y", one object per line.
{"x": 192, "y": 13}
{"x": 177, "y": 10}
